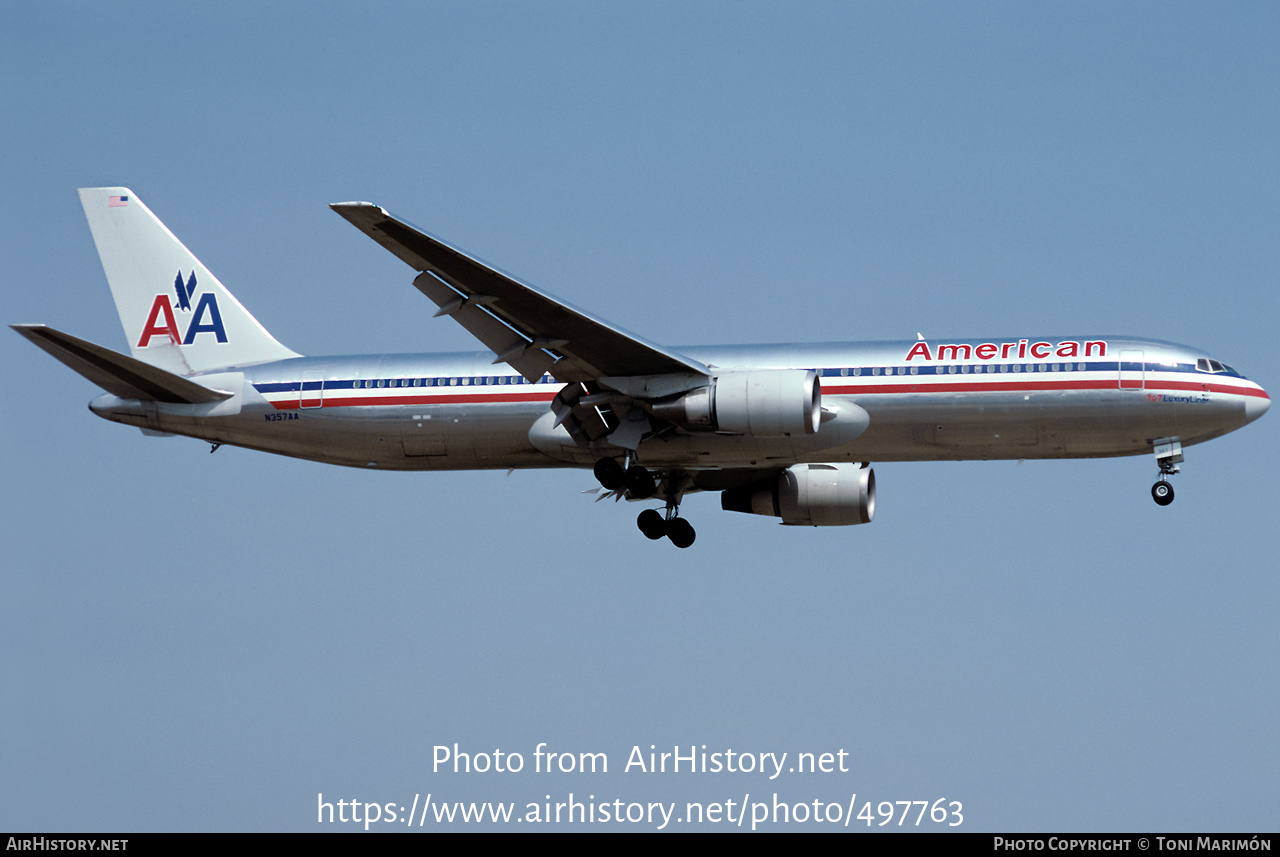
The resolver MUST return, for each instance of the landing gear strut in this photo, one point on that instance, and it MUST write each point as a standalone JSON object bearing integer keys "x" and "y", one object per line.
{"x": 640, "y": 483}
{"x": 1168, "y": 452}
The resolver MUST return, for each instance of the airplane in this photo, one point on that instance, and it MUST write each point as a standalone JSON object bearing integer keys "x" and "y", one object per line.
{"x": 785, "y": 431}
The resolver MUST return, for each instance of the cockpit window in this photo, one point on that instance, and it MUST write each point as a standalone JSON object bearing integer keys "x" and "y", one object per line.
{"x": 1205, "y": 365}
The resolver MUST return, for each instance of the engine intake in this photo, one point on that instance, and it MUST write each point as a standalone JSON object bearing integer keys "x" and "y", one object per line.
{"x": 810, "y": 495}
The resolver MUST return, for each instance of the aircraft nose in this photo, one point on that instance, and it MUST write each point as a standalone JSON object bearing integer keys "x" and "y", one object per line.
{"x": 1256, "y": 406}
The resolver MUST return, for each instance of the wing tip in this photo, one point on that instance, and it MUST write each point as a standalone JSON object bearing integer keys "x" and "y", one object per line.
{"x": 29, "y": 331}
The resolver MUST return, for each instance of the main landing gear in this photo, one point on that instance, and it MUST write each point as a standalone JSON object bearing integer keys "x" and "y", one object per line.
{"x": 1168, "y": 452}
{"x": 639, "y": 483}
{"x": 655, "y": 525}
{"x": 636, "y": 480}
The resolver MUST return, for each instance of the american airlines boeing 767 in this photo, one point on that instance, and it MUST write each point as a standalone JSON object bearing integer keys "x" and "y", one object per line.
{"x": 787, "y": 431}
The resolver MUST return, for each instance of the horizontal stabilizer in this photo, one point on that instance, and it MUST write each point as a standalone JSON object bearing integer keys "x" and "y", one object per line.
{"x": 116, "y": 373}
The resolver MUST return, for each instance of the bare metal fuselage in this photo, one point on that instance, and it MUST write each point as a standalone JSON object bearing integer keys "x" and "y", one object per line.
{"x": 458, "y": 411}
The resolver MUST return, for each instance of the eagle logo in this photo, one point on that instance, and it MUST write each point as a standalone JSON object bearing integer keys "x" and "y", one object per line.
{"x": 184, "y": 292}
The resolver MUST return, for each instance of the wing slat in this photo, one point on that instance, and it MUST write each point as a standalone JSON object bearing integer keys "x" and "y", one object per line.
{"x": 499, "y": 337}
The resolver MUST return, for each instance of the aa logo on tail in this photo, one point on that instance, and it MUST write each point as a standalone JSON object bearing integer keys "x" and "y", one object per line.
{"x": 162, "y": 322}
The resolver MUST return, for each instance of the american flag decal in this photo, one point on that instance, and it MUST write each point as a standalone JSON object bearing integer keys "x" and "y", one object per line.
{"x": 117, "y": 201}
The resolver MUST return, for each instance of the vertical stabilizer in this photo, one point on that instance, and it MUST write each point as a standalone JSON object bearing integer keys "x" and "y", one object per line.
{"x": 175, "y": 312}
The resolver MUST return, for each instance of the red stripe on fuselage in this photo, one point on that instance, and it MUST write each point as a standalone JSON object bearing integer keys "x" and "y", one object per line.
{"x": 1035, "y": 386}
{"x": 1217, "y": 388}
{"x": 450, "y": 399}
{"x": 947, "y": 386}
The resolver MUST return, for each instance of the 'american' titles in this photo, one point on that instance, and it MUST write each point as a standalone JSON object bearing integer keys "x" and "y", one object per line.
{"x": 1019, "y": 350}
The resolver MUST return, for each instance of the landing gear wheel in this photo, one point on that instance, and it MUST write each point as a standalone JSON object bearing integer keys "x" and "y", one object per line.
{"x": 680, "y": 532}
{"x": 1162, "y": 493}
{"x": 639, "y": 482}
{"x": 609, "y": 473}
{"x": 652, "y": 524}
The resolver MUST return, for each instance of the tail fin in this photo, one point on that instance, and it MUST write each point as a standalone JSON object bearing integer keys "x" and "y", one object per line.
{"x": 175, "y": 313}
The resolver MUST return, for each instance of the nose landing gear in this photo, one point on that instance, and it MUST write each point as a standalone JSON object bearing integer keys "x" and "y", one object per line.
{"x": 1168, "y": 452}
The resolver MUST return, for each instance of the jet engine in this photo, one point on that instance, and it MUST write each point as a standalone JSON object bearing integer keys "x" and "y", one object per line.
{"x": 811, "y": 495}
{"x": 761, "y": 403}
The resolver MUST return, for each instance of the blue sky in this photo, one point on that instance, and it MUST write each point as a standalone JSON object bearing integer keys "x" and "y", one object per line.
{"x": 198, "y": 642}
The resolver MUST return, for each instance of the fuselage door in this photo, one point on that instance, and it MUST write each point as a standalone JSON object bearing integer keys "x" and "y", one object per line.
{"x": 1132, "y": 370}
{"x": 311, "y": 394}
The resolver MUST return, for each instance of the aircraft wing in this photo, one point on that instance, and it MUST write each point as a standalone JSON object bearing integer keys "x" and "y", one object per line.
{"x": 526, "y": 328}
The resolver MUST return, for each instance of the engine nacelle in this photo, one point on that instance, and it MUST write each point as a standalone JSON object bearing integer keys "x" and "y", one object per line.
{"x": 758, "y": 403}
{"x": 810, "y": 495}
